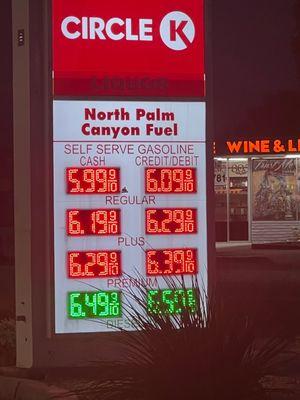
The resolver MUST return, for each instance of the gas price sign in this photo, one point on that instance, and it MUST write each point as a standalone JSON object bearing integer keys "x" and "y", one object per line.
{"x": 129, "y": 208}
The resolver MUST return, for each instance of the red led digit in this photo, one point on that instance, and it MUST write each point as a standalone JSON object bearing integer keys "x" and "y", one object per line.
{"x": 74, "y": 223}
{"x": 152, "y": 263}
{"x": 93, "y": 180}
{"x": 74, "y": 267}
{"x": 150, "y": 180}
{"x": 189, "y": 224}
{"x": 179, "y": 219}
{"x": 163, "y": 221}
{"x": 73, "y": 184}
{"x": 170, "y": 180}
{"x": 100, "y": 222}
{"x": 171, "y": 262}
{"x": 94, "y": 264}
{"x": 90, "y": 264}
{"x": 151, "y": 221}
{"x": 166, "y": 180}
{"x": 89, "y": 179}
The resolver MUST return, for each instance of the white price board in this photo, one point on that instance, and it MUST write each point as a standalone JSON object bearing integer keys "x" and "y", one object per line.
{"x": 129, "y": 208}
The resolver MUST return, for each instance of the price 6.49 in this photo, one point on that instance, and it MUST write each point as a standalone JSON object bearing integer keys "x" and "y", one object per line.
{"x": 101, "y": 304}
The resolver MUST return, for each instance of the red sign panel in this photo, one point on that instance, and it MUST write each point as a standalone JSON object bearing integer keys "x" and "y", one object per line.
{"x": 129, "y": 48}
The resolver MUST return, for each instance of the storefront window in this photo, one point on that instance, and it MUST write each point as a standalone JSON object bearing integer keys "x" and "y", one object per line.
{"x": 238, "y": 199}
{"x": 231, "y": 189}
{"x": 257, "y": 199}
{"x": 274, "y": 189}
{"x": 221, "y": 200}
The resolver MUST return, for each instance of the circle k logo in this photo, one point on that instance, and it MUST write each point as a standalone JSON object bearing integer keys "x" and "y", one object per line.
{"x": 177, "y": 30}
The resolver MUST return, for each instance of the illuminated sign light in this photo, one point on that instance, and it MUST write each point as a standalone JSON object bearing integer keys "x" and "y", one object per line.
{"x": 264, "y": 146}
{"x": 101, "y": 304}
{"x": 101, "y": 51}
{"x": 163, "y": 221}
{"x": 103, "y": 222}
{"x": 93, "y": 180}
{"x": 170, "y": 180}
{"x": 171, "y": 301}
{"x": 147, "y": 217}
{"x": 94, "y": 264}
{"x": 97, "y": 28}
{"x": 171, "y": 262}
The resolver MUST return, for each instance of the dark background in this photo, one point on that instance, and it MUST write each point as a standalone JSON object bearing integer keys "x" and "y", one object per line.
{"x": 6, "y": 136}
{"x": 256, "y": 69}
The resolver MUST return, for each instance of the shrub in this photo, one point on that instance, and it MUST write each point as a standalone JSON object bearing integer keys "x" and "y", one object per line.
{"x": 209, "y": 354}
{"x": 7, "y": 342}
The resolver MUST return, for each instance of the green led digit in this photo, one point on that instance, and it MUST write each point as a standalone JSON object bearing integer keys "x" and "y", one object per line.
{"x": 115, "y": 304}
{"x": 179, "y": 300}
{"x": 191, "y": 300}
{"x": 153, "y": 305}
{"x": 168, "y": 301}
{"x": 90, "y": 300}
{"x": 103, "y": 304}
{"x": 75, "y": 308}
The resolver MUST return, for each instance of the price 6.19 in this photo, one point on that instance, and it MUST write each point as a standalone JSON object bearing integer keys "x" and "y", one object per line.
{"x": 93, "y": 222}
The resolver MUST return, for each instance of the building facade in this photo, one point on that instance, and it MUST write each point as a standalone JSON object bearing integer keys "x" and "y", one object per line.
{"x": 257, "y": 198}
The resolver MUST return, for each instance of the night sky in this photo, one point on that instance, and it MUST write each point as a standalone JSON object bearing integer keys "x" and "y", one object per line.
{"x": 256, "y": 77}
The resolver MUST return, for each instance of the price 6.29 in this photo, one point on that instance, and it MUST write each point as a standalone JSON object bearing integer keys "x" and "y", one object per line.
{"x": 163, "y": 221}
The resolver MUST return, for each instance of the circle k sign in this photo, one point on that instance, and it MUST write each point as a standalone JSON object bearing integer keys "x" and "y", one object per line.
{"x": 157, "y": 47}
{"x": 177, "y": 30}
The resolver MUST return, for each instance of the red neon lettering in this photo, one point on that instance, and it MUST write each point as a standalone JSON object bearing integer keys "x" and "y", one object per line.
{"x": 234, "y": 147}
